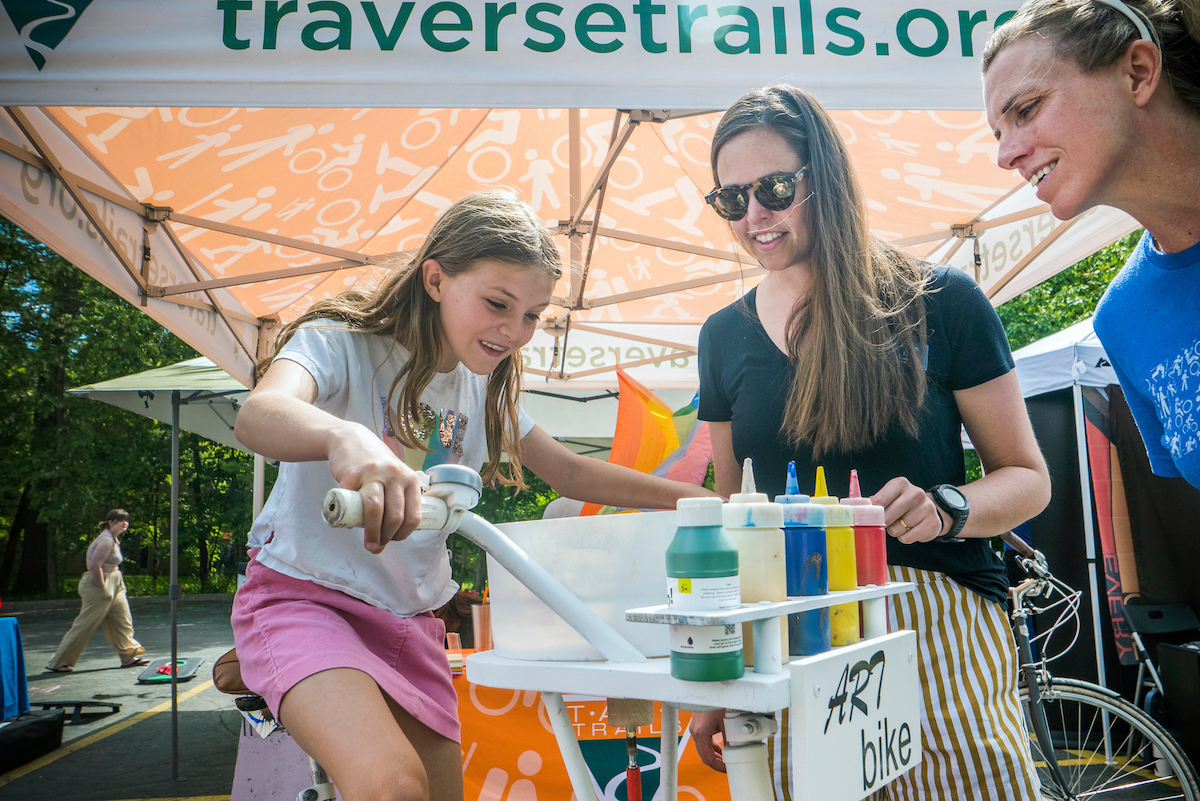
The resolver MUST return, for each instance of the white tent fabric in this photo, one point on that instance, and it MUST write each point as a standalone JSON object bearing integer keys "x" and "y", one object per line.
{"x": 210, "y": 399}
{"x": 209, "y": 396}
{"x": 623, "y": 54}
{"x": 1071, "y": 356}
{"x": 224, "y": 222}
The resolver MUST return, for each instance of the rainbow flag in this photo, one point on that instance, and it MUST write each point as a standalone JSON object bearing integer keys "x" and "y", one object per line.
{"x": 648, "y": 436}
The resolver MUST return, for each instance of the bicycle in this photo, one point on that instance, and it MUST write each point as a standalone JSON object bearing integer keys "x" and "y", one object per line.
{"x": 1087, "y": 740}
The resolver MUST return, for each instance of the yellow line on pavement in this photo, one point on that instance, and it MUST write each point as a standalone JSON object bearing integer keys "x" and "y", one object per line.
{"x": 83, "y": 742}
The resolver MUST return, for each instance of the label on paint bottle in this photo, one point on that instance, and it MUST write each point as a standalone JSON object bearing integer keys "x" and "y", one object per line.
{"x": 706, "y": 639}
{"x": 704, "y": 594}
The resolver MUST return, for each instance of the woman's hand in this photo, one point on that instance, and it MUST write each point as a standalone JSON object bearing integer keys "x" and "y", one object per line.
{"x": 703, "y": 727}
{"x": 390, "y": 489}
{"x": 909, "y": 513}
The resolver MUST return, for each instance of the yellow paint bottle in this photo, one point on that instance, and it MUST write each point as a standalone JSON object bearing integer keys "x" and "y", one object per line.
{"x": 843, "y": 565}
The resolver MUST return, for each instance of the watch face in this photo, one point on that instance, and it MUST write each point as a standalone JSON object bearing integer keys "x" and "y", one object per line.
{"x": 953, "y": 497}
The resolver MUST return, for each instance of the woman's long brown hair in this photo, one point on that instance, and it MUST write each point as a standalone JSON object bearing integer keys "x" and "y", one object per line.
{"x": 857, "y": 338}
{"x": 491, "y": 226}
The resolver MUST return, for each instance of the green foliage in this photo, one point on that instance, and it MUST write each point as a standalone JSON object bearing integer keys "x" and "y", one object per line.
{"x": 1057, "y": 303}
{"x": 74, "y": 459}
{"x": 1066, "y": 298}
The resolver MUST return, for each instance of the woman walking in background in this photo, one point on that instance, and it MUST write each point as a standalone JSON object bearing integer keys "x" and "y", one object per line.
{"x": 104, "y": 602}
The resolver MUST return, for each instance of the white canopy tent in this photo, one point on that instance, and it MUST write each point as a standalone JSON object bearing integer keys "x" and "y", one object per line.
{"x": 210, "y": 397}
{"x": 1073, "y": 356}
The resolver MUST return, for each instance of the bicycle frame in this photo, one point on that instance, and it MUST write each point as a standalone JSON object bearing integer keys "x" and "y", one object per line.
{"x": 1035, "y": 672}
{"x": 1030, "y": 670}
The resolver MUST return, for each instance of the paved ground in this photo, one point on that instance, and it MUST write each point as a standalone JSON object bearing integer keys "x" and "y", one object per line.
{"x": 127, "y": 755}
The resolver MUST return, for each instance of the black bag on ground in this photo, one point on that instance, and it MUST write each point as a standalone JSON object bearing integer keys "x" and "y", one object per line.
{"x": 29, "y": 736}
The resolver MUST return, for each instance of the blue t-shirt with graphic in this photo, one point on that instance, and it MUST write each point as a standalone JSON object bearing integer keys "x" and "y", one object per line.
{"x": 1149, "y": 322}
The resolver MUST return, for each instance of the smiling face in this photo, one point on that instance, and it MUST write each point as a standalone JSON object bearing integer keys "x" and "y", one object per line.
{"x": 777, "y": 239}
{"x": 1064, "y": 130}
{"x": 487, "y": 312}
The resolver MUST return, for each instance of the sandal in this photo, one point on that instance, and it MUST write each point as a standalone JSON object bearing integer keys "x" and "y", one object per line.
{"x": 137, "y": 662}
{"x": 60, "y": 669}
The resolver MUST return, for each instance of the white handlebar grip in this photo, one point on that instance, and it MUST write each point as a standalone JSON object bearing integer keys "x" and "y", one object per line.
{"x": 343, "y": 508}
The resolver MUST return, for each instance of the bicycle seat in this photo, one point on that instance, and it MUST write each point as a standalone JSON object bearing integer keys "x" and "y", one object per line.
{"x": 227, "y": 674}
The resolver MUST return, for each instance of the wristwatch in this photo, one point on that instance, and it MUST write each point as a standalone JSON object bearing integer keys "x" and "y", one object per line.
{"x": 951, "y": 499}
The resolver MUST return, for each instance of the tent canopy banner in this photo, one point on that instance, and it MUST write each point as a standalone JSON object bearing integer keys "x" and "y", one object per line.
{"x": 621, "y": 54}
{"x": 223, "y": 223}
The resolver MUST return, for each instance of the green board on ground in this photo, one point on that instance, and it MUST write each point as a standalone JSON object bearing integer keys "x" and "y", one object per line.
{"x": 158, "y": 671}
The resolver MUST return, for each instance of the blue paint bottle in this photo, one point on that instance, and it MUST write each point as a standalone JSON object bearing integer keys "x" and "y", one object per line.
{"x": 807, "y": 567}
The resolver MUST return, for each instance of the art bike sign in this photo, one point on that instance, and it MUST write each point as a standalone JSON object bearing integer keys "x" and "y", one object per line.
{"x": 855, "y": 718}
{"x": 625, "y": 53}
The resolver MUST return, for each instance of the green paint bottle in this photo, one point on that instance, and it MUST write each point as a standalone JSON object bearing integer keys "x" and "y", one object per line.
{"x": 702, "y": 575}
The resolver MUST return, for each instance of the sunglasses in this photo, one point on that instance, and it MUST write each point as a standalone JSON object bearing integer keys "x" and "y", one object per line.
{"x": 773, "y": 192}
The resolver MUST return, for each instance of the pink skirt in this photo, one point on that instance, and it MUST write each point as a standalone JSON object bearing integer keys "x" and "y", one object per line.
{"x": 288, "y": 629}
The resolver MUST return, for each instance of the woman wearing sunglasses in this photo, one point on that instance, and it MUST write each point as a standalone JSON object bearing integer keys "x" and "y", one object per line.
{"x": 852, "y": 355}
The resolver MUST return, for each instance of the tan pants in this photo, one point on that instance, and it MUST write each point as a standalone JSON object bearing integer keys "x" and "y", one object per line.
{"x": 111, "y": 612}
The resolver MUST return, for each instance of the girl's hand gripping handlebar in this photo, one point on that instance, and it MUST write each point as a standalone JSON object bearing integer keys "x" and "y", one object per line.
{"x": 446, "y": 492}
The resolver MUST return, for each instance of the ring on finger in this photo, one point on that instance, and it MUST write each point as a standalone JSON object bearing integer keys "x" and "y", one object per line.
{"x": 907, "y": 527}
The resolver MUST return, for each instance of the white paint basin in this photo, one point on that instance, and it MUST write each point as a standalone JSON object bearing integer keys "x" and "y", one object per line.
{"x": 610, "y": 562}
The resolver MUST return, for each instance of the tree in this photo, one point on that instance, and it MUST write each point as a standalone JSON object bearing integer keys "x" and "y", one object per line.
{"x": 1059, "y": 302}
{"x": 1066, "y": 298}
{"x": 69, "y": 460}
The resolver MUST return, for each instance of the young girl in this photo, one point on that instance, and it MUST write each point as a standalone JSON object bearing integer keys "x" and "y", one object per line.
{"x": 1098, "y": 102}
{"x": 338, "y": 636}
{"x": 852, "y": 355}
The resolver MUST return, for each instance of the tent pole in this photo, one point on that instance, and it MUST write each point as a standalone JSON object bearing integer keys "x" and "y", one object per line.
{"x": 174, "y": 589}
{"x": 259, "y": 482}
{"x": 1089, "y": 534}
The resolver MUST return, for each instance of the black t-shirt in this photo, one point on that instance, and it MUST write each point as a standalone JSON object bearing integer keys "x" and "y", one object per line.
{"x": 745, "y": 379}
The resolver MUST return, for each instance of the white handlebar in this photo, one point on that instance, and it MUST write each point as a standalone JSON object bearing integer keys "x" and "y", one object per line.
{"x": 343, "y": 508}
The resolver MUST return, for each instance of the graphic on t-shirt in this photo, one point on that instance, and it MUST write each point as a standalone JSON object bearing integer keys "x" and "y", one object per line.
{"x": 446, "y": 448}
{"x": 1174, "y": 388}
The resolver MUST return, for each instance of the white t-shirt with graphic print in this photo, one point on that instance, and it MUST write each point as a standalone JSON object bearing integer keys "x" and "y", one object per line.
{"x": 353, "y": 372}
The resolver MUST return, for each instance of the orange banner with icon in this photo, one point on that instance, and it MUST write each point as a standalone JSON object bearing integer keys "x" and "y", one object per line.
{"x": 510, "y": 754}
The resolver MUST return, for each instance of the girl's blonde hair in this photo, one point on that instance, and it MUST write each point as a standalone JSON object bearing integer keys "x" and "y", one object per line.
{"x": 114, "y": 516}
{"x": 857, "y": 339}
{"x": 1095, "y": 35}
{"x": 491, "y": 226}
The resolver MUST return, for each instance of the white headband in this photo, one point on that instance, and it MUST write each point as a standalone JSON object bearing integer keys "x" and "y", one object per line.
{"x": 1134, "y": 17}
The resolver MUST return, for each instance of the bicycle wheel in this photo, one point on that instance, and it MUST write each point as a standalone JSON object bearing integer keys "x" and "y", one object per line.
{"x": 1107, "y": 748}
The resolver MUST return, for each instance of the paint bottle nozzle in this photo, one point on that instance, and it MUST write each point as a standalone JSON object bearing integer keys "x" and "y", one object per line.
{"x": 793, "y": 486}
{"x": 820, "y": 491}
{"x": 748, "y": 477}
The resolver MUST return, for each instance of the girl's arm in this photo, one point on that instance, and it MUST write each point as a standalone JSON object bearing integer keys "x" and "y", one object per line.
{"x": 594, "y": 481}
{"x": 279, "y": 421}
{"x": 1016, "y": 483}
